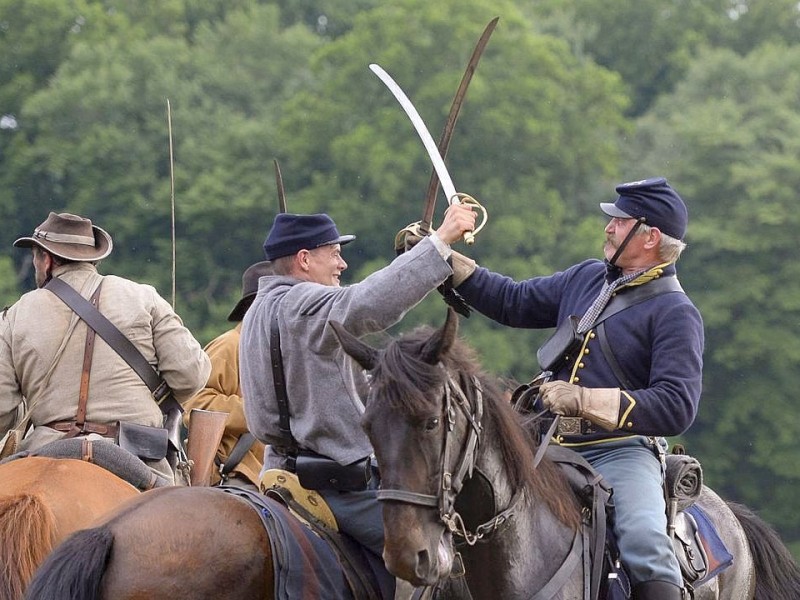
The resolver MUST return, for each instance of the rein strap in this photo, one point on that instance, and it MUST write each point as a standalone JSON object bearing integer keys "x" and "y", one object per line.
{"x": 408, "y": 497}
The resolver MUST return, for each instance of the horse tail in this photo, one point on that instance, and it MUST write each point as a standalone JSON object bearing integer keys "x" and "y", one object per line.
{"x": 777, "y": 574}
{"x": 75, "y": 569}
{"x": 27, "y": 531}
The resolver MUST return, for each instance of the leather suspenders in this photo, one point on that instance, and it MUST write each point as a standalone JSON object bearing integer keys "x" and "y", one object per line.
{"x": 117, "y": 341}
{"x": 290, "y": 445}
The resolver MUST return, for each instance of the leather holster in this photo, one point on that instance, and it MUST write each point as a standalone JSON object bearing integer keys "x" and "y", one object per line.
{"x": 148, "y": 443}
{"x": 317, "y": 472}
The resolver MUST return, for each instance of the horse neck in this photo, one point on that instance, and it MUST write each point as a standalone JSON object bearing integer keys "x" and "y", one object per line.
{"x": 524, "y": 553}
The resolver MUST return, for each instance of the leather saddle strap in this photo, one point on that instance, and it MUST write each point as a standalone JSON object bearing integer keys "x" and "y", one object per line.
{"x": 243, "y": 444}
{"x": 87, "y": 451}
{"x": 88, "y": 353}
{"x": 564, "y": 572}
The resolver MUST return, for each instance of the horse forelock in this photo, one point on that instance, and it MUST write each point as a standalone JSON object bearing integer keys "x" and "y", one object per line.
{"x": 403, "y": 381}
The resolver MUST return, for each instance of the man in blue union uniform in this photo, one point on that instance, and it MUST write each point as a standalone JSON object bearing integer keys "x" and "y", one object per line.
{"x": 619, "y": 401}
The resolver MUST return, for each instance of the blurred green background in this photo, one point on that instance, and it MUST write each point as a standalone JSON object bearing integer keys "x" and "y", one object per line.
{"x": 571, "y": 97}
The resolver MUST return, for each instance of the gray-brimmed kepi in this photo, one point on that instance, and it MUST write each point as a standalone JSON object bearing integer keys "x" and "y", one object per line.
{"x": 70, "y": 237}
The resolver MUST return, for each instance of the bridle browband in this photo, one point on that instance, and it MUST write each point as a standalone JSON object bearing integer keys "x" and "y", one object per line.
{"x": 453, "y": 481}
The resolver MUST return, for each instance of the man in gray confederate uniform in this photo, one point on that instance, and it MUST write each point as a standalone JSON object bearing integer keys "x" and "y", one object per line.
{"x": 323, "y": 386}
{"x": 43, "y": 345}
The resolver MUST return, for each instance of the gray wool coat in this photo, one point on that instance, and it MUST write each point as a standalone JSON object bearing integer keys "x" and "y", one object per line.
{"x": 324, "y": 386}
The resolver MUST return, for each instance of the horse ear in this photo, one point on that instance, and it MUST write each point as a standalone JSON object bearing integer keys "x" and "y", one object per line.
{"x": 442, "y": 340}
{"x": 364, "y": 354}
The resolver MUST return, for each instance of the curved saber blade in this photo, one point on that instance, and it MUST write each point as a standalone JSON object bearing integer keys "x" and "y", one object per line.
{"x": 422, "y": 131}
{"x": 452, "y": 117}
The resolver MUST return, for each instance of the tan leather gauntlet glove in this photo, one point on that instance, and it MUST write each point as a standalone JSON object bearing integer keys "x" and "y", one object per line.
{"x": 599, "y": 405}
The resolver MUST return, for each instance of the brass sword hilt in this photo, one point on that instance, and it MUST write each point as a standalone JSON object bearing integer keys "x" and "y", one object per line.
{"x": 461, "y": 198}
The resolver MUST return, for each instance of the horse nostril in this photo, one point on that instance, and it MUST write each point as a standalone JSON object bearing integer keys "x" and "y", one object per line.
{"x": 423, "y": 567}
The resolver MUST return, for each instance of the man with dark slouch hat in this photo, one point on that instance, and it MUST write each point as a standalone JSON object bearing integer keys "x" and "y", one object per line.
{"x": 239, "y": 456}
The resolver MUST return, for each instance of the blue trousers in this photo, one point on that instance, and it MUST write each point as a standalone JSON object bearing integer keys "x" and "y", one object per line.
{"x": 633, "y": 468}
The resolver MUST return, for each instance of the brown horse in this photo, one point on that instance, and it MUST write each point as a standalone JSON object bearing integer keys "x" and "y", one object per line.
{"x": 42, "y": 501}
{"x": 169, "y": 543}
{"x": 473, "y": 483}
{"x": 195, "y": 543}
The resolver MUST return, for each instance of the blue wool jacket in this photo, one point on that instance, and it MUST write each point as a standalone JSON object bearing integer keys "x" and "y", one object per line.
{"x": 658, "y": 342}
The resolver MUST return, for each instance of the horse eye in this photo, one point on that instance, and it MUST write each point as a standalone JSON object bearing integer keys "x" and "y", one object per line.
{"x": 432, "y": 424}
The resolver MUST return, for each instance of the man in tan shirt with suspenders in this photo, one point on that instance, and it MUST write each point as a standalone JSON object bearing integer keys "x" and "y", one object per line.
{"x": 44, "y": 353}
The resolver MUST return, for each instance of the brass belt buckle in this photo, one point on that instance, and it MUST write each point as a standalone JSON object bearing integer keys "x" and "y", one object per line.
{"x": 570, "y": 426}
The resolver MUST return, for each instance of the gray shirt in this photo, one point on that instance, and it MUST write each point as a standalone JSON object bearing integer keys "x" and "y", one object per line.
{"x": 322, "y": 382}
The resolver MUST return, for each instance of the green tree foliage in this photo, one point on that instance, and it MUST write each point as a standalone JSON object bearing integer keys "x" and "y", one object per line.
{"x": 368, "y": 165}
{"x": 96, "y": 142}
{"x": 649, "y": 42}
{"x": 328, "y": 18}
{"x": 570, "y": 97}
{"x": 730, "y": 135}
{"x": 753, "y": 23}
{"x": 245, "y": 87}
{"x": 652, "y": 43}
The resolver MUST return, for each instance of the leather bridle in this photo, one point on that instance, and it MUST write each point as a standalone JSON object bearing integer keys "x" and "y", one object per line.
{"x": 452, "y": 481}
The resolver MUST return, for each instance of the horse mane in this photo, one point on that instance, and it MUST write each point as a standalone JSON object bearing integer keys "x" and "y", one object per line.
{"x": 404, "y": 381}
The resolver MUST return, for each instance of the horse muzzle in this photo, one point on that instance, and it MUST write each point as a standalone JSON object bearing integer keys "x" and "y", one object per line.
{"x": 424, "y": 566}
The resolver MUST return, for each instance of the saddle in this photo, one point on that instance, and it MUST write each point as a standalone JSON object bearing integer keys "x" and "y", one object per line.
{"x": 700, "y": 551}
{"x": 309, "y": 556}
{"x": 307, "y": 505}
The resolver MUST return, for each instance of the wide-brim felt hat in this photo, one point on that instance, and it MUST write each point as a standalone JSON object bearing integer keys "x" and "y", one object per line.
{"x": 291, "y": 233}
{"x": 70, "y": 237}
{"x": 653, "y": 201}
{"x": 249, "y": 288}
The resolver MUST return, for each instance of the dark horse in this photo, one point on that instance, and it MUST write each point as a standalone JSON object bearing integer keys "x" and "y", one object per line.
{"x": 438, "y": 425}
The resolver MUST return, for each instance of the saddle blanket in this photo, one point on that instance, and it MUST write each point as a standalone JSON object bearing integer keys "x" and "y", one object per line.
{"x": 306, "y": 565}
{"x": 719, "y": 557}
